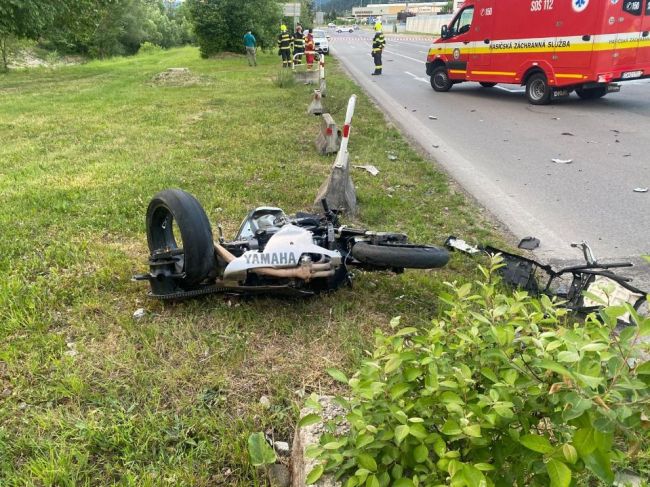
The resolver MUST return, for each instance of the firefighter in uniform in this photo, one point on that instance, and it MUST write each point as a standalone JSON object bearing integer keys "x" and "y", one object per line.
{"x": 284, "y": 46}
{"x": 298, "y": 45}
{"x": 310, "y": 48}
{"x": 378, "y": 43}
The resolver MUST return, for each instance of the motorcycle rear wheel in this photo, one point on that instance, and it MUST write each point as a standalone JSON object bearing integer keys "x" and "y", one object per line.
{"x": 176, "y": 221}
{"x": 406, "y": 256}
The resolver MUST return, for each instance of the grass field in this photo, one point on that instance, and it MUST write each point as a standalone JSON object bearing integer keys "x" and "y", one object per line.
{"x": 90, "y": 396}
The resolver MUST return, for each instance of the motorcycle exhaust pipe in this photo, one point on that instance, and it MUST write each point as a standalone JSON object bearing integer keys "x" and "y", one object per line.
{"x": 305, "y": 272}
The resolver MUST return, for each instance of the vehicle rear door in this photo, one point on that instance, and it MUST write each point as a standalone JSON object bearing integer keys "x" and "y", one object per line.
{"x": 482, "y": 33}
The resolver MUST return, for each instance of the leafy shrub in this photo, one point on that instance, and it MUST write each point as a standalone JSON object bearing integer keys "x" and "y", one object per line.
{"x": 502, "y": 390}
{"x": 149, "y": 48}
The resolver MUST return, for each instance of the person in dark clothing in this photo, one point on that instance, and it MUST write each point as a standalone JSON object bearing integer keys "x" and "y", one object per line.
{"x": 284, "y": 46}
{"x": 378, "y": 43}
{"x": 298, "y": 45}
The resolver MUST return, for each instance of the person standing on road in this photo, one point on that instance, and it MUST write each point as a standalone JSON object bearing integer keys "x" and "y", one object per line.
{"x": 298, "y": 44}
{"x": 284, "y": 46}
{"x": 378, "y": 43}
{"x": 310, "y": 48}
{"x": 251, "y": 46}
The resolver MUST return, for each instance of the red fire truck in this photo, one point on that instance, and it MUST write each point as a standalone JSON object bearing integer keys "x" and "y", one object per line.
{"x": 552, "y": 47}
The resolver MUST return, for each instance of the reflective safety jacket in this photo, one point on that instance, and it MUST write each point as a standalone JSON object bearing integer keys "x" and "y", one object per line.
{"x": 309, "y": 43}
{"x": 298, "y": 41}
{"x": 285, "y": 41}
{"x": 378, "y": 42}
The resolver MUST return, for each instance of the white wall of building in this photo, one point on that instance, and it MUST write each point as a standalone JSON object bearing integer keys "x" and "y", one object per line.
{"x": 428, "y": 24}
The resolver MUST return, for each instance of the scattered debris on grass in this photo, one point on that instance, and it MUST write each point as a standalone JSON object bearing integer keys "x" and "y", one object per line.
{"x": 139, "y": 313}
{"x": 370, "y": 168}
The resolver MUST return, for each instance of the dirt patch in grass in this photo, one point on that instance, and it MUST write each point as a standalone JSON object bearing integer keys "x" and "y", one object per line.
{"x": 177, "y": 77}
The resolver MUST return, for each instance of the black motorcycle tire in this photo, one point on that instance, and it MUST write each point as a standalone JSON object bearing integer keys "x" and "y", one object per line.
{"x": 400, "y": 256}
{"x": 175, "y": 205}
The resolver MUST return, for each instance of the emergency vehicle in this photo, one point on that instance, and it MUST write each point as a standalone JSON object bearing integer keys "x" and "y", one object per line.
{"x": 552, "y": 47}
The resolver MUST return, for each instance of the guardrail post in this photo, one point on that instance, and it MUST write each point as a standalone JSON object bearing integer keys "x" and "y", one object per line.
{"x": 338, "y": 189}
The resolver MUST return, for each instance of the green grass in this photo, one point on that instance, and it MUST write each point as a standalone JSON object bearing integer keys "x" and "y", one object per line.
{"x": 91, "y": 397}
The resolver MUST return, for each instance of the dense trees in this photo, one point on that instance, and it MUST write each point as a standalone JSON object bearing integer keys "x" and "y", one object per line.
{"x": 97, "y": 28}
{"x": 220, "y": 24}
{"x": 102, "y": 28}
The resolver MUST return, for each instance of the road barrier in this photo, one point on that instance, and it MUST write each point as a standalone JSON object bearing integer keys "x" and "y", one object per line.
{"x": 316, "y": 105}
{"x": 338, "y": 189}
{"x": 307, "y": 76}
{"x": 321, "y": 76}
{"x": 329, "y": 137}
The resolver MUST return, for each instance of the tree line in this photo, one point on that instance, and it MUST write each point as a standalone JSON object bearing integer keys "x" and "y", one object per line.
{"x": 104, "y": 28}
{"x": 94, "y": 28}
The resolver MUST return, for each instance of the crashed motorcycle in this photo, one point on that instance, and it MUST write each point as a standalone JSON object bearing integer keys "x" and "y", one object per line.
{"x": 272, "y": 253}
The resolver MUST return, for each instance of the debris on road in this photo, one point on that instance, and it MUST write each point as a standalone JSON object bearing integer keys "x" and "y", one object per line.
{"x": 528, "y": 243}
{"x": 431, "y": 117}
{"x": 640, "y": 190}
{"x": 562, "y": 161}
{"x": 370, "y": 168}
{"x": 567, "y": 133}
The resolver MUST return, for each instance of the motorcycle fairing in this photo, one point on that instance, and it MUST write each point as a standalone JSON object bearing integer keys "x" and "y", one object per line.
{"x": 283, "y": 250}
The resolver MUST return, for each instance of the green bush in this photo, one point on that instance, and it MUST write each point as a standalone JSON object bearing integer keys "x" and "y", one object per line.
{"x": 149, "y": 48}
{"x": 501, "y": 390}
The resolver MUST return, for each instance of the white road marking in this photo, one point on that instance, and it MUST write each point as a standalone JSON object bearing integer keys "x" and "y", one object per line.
{"x": 407, "y": 57}
{"x": 417, "y": 78}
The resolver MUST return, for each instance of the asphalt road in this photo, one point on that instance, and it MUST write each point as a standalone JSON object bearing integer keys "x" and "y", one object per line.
{"x": 499, "y": 148}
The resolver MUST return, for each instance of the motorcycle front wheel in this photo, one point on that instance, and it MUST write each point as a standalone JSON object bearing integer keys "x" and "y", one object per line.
{"x": 407, "y": 256}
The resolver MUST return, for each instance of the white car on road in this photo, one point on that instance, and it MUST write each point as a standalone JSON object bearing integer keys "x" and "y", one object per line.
{"x": 344, "y": 29}
{"x": 321, "y": 41}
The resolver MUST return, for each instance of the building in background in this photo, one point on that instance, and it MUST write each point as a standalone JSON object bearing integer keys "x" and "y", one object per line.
{"x": 389, "y": 11}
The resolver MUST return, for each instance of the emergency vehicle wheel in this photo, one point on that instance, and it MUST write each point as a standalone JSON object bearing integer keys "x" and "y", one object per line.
{"x": 485, "y": 84}
{"x": 538, "y": 91}
{"x": 440, "y": 81}
{"x": 591, "y": 93}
